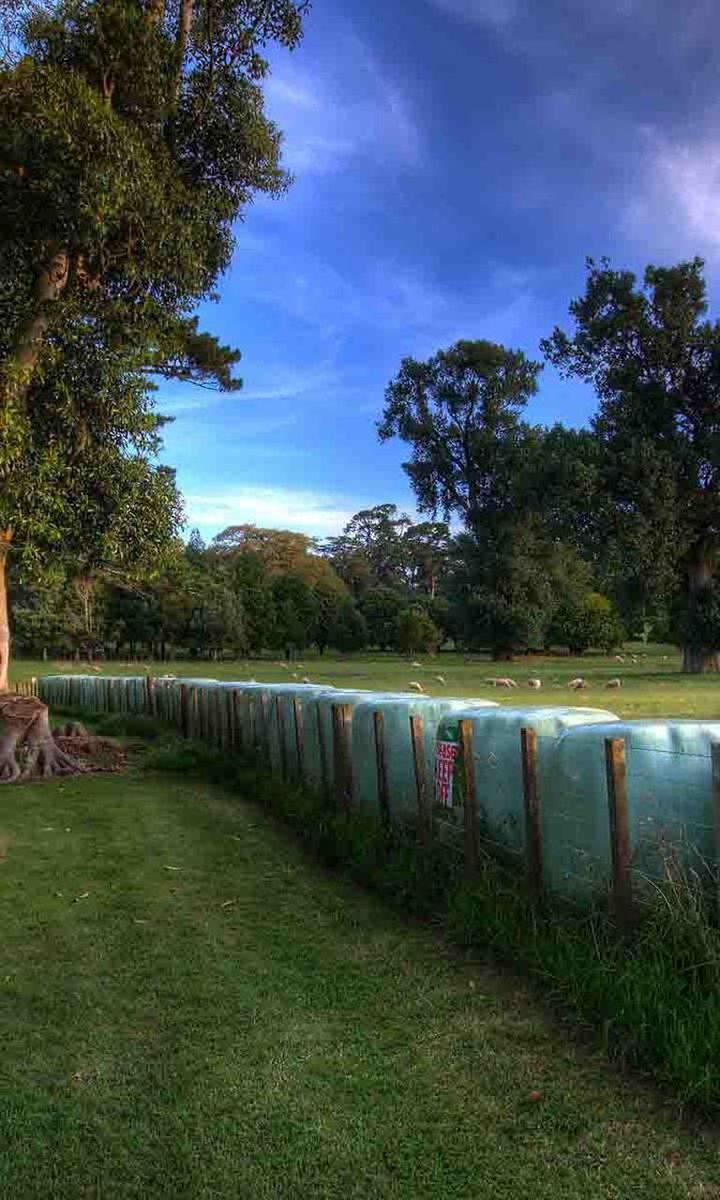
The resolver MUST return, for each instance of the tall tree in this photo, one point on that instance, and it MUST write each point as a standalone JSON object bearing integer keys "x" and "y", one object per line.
{"x": 654, "y": 360}
{"x": 460, "y": 413}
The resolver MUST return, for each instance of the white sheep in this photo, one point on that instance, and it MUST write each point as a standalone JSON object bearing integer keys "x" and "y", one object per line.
{"x": 619, "y": 658}
{"x": 577, "y": 684}
{"x": 305, "y": 679}
{"x": 417, "y": 686}
{"x": 440, "y": 679}
{"x": 535, "y": 683}
{"x": 418, "y": 665}
{"x": 613, "y": 683}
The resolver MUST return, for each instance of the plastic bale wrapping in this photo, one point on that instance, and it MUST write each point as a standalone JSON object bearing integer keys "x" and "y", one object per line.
{"x": 399, "y": 758}
{"x": 317, "y": 742}
{"x": 670, "y": 803}
{"x": 257, "y": 715}
{"x": 498, "y": 770}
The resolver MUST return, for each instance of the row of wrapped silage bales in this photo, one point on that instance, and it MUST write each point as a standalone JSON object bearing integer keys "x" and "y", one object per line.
{"x": 667, "y": 763}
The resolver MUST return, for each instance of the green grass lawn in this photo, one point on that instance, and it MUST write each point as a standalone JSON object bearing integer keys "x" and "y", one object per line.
{"x": 652, "y": 687}
{"x": 190, "y": 1008}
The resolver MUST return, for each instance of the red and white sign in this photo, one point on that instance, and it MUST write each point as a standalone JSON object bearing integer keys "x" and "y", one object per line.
{"x": 446, "y": 753}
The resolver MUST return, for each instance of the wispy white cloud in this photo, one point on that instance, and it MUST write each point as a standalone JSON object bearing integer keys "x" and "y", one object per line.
{"x": 676, "y": 208}
{"x": 353, "y": 109}
{"x": 315, "y": 513}
{"x": 272, "y": 382}
{"x": 387, "y": 297}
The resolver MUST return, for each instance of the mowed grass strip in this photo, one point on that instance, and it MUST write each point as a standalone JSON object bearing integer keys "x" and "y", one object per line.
{"x": 192, "y": 1009}
{"x": 651, "y": 687}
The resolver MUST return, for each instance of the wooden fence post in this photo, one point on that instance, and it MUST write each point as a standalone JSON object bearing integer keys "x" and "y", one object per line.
{"x": 620, "y": 832}
{"x": 237, "y": 733}
{"x": 282, "y": 747}
{"x": 342, "y": 754}
{"x": 533, "y": 815}
{"x": 322, "y": 747}
{"x": 470, "y": 812}
{"x": 421, "y": 783}
{"x": 381, "y": 768}
{"x": 252, "y": 721}
{"x": 299, "y": 722}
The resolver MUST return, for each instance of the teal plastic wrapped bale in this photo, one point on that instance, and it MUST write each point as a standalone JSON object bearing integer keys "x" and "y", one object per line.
{"x": 669, "y": 790}
{"x": 317, "y": 740}
{"x": 267, "y": 719}
{"x": 399, "y": 758}
{"x": 498, "y": 771}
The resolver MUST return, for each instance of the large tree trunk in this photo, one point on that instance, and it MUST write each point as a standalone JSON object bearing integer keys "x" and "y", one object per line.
{"x": 697, "y": 660}
{"x": 23, "y": 358}
{"x": 5, "y": 540}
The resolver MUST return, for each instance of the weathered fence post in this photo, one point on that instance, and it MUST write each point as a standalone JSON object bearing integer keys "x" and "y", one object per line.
{"x": 342, "y": 754}
{"x": 282, "y": 748}
{"x": 619, "y": 832}
{"x": 184, "y": 715}
{"x": 323, "y": 749}
{"x": 470, "y": 813}
{"x": 237, "y": 733}
{"x": 421, "y": 783}
{"x": 381, "y": 767}
{"x": 533, "y": 815}
{"x": 252, "y": 722}
{"x": 298, "y": 720}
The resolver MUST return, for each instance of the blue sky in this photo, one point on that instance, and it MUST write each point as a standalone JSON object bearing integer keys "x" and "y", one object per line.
{"x": 455, "y": 161}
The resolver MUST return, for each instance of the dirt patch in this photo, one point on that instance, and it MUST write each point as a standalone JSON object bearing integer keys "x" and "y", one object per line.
{"x": 93, "y": 754}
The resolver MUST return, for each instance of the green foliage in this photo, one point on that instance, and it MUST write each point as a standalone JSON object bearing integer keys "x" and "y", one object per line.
{"x": 460, "y": 414}
{"x": 588, "y": 622}
{"x": 349, "y": 629}
{"x": 653, "y": 358}
{"x": 296, "y": 610}
{"x": 381, "y": 607}
{"x": 415, "y": 633}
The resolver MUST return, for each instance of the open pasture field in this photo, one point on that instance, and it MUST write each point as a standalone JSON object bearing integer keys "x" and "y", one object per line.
{"x": 651, "y": 687}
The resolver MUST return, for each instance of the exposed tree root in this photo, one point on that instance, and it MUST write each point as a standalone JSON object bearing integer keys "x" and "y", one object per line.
{"x": 27, "y": 747}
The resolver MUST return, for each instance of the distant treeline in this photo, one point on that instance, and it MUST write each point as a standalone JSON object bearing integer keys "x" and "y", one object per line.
{"x": 385, "y": 583}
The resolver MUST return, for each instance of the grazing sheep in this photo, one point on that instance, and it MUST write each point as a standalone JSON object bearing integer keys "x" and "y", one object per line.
{"x": 440, "y": 679}
{"x": 417, "y": 686}
{"x": 504, "y": 681}
{"x": 577, "y": 684}
{"x": 295, "y": 675}
{"x": 535, "y": 683}
{"x": 305, "y": 679}
{"x": 418, "y": 665}
{"x": 613, "y": 683}
{"x": 619, "y": 658}
{"x": 633, "y": 658}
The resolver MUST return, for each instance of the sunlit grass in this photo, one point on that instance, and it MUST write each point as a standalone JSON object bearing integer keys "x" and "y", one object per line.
{"x": 190, "y": 1008}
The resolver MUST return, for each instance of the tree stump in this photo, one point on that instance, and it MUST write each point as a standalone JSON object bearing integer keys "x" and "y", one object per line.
{"x": 27, "y": 747}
